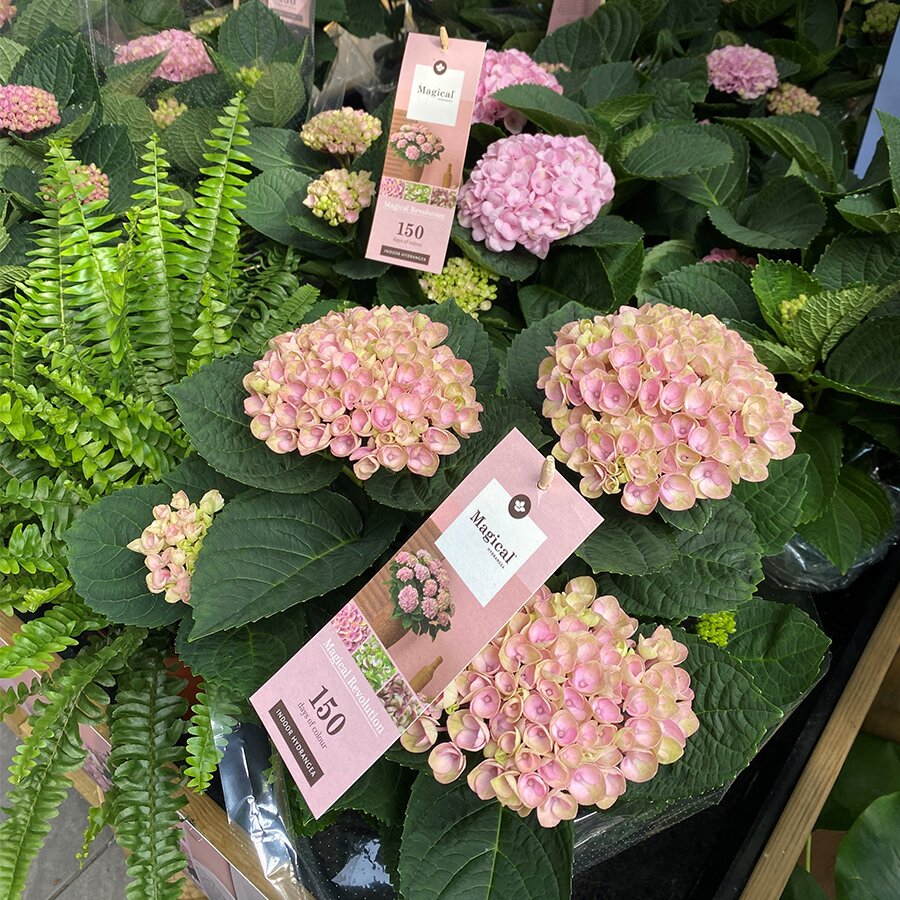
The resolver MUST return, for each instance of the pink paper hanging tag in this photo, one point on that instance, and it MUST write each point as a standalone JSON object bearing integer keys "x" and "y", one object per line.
{"x": 426, "y": 152}
{"x": 564, "y": 12}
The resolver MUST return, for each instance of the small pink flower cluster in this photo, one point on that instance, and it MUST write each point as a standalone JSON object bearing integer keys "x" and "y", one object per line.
{"x": 392, "y": 187}
{"x": 671, "y": 405}
{"x": 565, "y": 706}
{"x": 340, "y": 195}
{"x": 415, "y": 144}
{"x": 186, "y": 55}
{"x": 7, "y": 12}
{"x": 533, "y": 189}
{"x": 718, "y": 254}
{"x": 172, "y": 542}
{"x": 24, "y": 109}
{"x": 502, "y": 69}
{"x": 789, "y": 99}
{"x": 345, "y": 133}
{"x": 351, "y": 627}
{"x": 373, "y": 385}
{"x": 94, "y": 179}
{"x": 742, "y": 70}
{"x": 420, "y": 589}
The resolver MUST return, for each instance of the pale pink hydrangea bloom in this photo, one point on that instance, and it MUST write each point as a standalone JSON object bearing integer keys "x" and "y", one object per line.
{"x": 7, "y": 12}
{"x": 502, "y": 69}
{"x": 410, "y": 141}
{"x": 345, "y": 132}
{"x": 789, "y": 99}
{"x": 172, "y": 542}
{"x": 420, "y": 586}
{"x": 186, "y": 55}
{"x": 376, "y": 386}
{"x": 742, "y": 70}
{"x": 24, "y": 109}
{"x": 564, "y": 706}
{"x": 533, "y": 189}
{"x": 392, "y": 187}
{"x": 664, "y": 405}
{"x": 339, "y": 196}
{"x": 351, "y": 626}
{"x": 718, "y": 254}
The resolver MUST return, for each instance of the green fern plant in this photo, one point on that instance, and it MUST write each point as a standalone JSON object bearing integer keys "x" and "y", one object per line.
{"x": 146, "y": 726}
{"x": 213, "y": 719}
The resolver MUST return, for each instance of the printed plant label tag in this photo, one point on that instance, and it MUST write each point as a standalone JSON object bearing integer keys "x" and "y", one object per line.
{"x": 426, "y": 151}
{"x": 346, "y": 696}
{"x": 296, "y": 14}
{"x": 564, "y": 12}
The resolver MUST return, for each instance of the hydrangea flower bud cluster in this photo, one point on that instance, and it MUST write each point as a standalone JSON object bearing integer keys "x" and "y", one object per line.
{"x": 249, "y": 75}
{"x": 414, "y": 143}
{"x": 186, "y": 55}
{"x": 502, "y": 69}
{"x": 715, "y": 628}
{"x": 742, "y": 70}
{"x": 881, "y": 18}
{"x": 376, "y": 386}
{"x": 400, "y": 703}
{"x": 171, "y": 543}
{"x": 790, "y": 309}
{"x": 94, "y": 178}
{"x": 717, "y": 254}
{"x": 420, "y": 588}
{"x": 345, "y": 133}
{"x": 24, "y": 109}
{"x": 167, "y": 111}
{"x": 669, "y": 405}
{"x": 7, "y": 12}
{"x": 789, "y": 99}
{"x": 464, "y": 282}
{"x": 339, "y": 196}
{"x": 565, "y": 706}
{"x": 533, "y": 189}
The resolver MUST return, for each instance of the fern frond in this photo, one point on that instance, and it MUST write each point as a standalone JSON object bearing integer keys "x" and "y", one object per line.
{"x": 211, "y": 225}
{"x": 36, "y": 642}
{"x": 74, "y": 697}
{"x": 30, "y": 550}
{"x": 27, "y": 593}
{"x": 146, "y": 726}
{"x": 53, "y": 502}
{"x": 98, "y": 819}
{"x": 162, "y": 331}
{"x": 277, "y": 320}
{"x": 13, "y": 697}
{"x": 213, "y": 719}
{"x": 213, "y": 335}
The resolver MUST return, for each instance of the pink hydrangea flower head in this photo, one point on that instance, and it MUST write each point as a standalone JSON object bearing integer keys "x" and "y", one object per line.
{"x": 664, "y": 405}
{"x": 789, "y": 99}
{"x": 24, "y": 109}
{"x": 418, "y": 598}
{"x": 408, "y": 598}
{"x": 351, "y": 626}
{"x": 533, "y": 189}
{"x": 339, "y": 196}
{"x": 7, "y": 12}
{"x": 377, "y": 386}
{"x": 410, "y": 140}
{"x": 171, "y": 543}
{"x": 186, "y": 55}
{"x": 565, "y": 706}
{"x": 345, "y": 132}
{"x": 502, "y": 69}
{"x": 742, "y": 70}
{"x": 718, "y": 254}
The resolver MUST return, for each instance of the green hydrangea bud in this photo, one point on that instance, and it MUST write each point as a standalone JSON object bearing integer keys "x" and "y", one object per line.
{"x": 790, "y": 309}
{"x": 881, "y": 18}
{"x": 249, "y": 75}
{"x": 714, "y": 628}
{"x": 463, "y": 281}
{"x": 167, "y": 111}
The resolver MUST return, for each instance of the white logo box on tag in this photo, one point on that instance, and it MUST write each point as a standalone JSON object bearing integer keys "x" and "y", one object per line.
{"x": 435, "y": 98}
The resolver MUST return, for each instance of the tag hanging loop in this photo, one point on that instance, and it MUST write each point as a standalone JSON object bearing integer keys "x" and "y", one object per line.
{"x": 548, "y": 470}
{"x": 445, "y": 39}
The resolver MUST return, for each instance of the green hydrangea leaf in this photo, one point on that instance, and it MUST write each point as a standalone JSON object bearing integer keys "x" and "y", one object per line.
{"x": 776, "y": 504}
{"x": 108, "y": 576}
{"x": 252, "y": 34}
{"x": 678, "y": 150}
{"x": 278, "y": 96}
{"x": 516, "y": 265}
{"x": 694, "y": 519}
{"x": 865, "y": 361}
{"x": 856, "y": 520}
{"x": 851, "y": 259}
{"x": 867, "y": 857}
{"x": 268, "y": 552}
{"x": 722, "y": 184}
{"x": 243, "y": 658}
{"x": 775, "y": 281}
{"x": 627, "y": 544}
{"x": 210, "y": 404}
{"x": 822, "y": 441}
{"x": 281, "y": 148}
{"x": 455, "y": 845}
{"x": 781, "y": 647}
{"x": 718, "y": 568}
{"x": 382, "y": 792}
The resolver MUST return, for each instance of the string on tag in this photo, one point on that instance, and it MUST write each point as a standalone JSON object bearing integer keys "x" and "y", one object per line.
{"x": 445, "y": 39}
{"x": 548, "y": 470}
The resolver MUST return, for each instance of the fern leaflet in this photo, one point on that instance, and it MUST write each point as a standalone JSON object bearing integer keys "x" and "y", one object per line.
{"x": 212, "y": 721}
